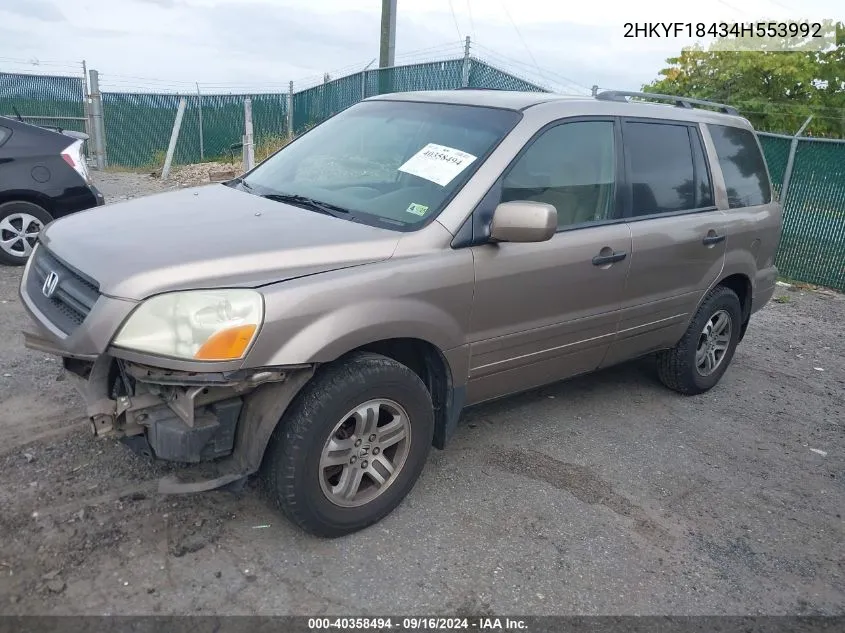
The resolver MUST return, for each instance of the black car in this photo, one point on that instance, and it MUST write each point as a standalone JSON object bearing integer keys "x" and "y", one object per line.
{"x": 43, "y": 176}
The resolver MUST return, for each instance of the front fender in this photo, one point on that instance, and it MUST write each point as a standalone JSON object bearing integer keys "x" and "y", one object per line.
{"x": 351, "y": 327}
{"x": 318, "y": 319}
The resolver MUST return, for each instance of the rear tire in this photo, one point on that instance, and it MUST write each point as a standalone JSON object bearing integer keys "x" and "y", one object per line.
{"x": 701, "y": 357}
{"x": 325, "y": 459}
{"x": 20, "y": 224}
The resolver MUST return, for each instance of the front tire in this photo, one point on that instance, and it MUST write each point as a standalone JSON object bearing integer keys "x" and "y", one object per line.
{"x": 701, "y": 357}
{"x": 20, "y": 224}
{"x": 351, "y": 446}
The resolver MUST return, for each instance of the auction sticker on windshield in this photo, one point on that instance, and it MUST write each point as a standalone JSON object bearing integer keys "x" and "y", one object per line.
{"x": 417, "y": 209}
{"x": 437, "y": 163}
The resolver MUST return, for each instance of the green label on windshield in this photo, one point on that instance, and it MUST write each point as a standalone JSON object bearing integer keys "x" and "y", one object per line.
{"x": 417, "y": 209}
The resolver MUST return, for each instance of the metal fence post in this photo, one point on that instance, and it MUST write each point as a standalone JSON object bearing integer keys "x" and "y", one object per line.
{"x": 466, "y": 67}
{"x": 790, "y": 161}
{"x": 249, "y": 145}
{"x": 199, "y": 104}
{"x": 290, "y": 110}
{"x": 364, "y": 78}
{"x": 174, "y": 136}
{"x": 86, "y": 109}
{"x": 99, "y": 127}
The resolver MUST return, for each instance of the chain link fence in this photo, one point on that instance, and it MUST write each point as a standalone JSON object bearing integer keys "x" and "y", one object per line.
{"x": 812, "y": 246}
{"x": 52, "y": 100}
{"x": 776, "y": 150}
{"x": 138, "y": 127}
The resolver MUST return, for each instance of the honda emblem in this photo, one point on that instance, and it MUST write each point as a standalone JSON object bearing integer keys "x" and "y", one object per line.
{"x": 50, "y": 284}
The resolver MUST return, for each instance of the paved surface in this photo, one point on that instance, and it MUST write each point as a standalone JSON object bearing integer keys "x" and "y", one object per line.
{"x": 603, "y": 495}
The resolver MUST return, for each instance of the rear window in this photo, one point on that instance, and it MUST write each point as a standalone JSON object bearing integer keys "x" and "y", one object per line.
{"x": 742, "y": 166}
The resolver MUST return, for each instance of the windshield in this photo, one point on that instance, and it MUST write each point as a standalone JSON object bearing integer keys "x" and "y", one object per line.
{"x": 389, "y": 163}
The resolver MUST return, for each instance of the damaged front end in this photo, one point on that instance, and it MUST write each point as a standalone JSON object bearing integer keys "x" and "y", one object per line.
{"x": 222, "y": 420}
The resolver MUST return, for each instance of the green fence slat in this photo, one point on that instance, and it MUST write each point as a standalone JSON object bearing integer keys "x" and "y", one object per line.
{"x": 812, "y": 247}
{"x": 42, "y": 96}
{"x": 776, "y": 151}
{"x": 483, "y": 75}
{"x": 138, "y": 126}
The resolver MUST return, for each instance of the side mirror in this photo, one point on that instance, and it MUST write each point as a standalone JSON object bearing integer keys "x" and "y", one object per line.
{"x": 523, "y": 221}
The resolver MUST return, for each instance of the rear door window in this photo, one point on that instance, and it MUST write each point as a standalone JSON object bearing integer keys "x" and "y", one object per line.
{"x": 742, "y": 165}
{"x": 661, "y": 168}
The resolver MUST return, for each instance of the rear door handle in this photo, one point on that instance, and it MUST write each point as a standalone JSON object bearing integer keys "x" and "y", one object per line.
{"x": 713, "y": 239}
{"x": 603, "y": 260}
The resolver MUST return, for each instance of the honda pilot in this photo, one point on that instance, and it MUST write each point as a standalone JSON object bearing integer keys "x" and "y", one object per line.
{"x": 323, "y": 319}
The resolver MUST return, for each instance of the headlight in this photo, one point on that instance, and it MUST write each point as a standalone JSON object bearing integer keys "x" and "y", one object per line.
{"x": 197, "y": 324}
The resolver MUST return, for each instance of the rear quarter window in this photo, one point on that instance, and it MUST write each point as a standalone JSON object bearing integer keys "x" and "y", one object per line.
{"x": 5, "y": 133}
{"x": 743, "y": 166}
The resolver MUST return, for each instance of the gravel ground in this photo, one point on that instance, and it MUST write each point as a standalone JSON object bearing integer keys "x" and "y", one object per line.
{"x": 606, "y": 494}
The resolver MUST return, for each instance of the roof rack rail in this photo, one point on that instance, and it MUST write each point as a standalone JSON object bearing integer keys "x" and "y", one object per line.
{"x": 681, "y": 102}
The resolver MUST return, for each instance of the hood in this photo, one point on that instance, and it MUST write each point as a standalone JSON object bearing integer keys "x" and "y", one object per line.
{"x": 210, "y": 236}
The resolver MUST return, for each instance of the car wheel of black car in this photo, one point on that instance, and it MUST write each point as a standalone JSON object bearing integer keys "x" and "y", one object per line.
{"x": 352, "y": 445}
{"x": 702, "y": 356}
{"x": 20, "y": 224}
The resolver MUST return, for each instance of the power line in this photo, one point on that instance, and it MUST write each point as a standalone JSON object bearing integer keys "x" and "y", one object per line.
{"x": 731, "y": 7}
{"x": 522, "y": 39}
{"x": 471, "y": 22}
{"x": 494, "y": 56}
{"x": 133, "y": 82}
{"x": 34, "y": 61}
{"x": 782, "y": 6}
{"x": 815, "y": 116}
{"x": 147, "y": 79}
{"x": 455, "y": 19}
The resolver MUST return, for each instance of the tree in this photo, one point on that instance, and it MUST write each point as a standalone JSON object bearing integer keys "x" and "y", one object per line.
{"x": 776, "y": 90}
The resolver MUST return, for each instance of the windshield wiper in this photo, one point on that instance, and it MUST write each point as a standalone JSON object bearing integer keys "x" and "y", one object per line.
{"x": 309, "y": 203}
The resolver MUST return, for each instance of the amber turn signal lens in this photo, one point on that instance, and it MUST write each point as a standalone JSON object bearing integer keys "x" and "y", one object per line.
{"x": 229, "y": 344}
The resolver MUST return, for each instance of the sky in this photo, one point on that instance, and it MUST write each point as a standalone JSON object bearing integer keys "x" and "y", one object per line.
{"x": 248, "y": 45}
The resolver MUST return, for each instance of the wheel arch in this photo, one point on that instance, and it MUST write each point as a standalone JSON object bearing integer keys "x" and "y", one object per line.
{"x": 26, "y": 195}
{"x": 428, "y": 362}
{"x": 740, "y": 283}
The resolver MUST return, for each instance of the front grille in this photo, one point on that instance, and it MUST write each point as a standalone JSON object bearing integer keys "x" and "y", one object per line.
{"x": 74, "y": 294}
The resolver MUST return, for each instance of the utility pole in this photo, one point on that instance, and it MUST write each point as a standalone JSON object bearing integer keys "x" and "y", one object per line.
{"x": 387, "y": 49}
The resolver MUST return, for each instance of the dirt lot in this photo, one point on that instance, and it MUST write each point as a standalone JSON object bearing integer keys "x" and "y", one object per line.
{"x": 603, "y": 495}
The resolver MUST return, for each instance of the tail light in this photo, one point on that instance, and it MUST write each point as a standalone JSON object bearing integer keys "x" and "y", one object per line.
{"x": 74, "y": 157}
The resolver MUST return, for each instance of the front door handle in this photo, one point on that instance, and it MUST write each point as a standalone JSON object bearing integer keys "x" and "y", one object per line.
{"x": 603, "y": 260}
{"x": 712, "y": 238}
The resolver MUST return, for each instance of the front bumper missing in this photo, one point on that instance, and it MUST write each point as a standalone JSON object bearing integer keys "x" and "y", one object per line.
{"x": 220, "y": 422}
